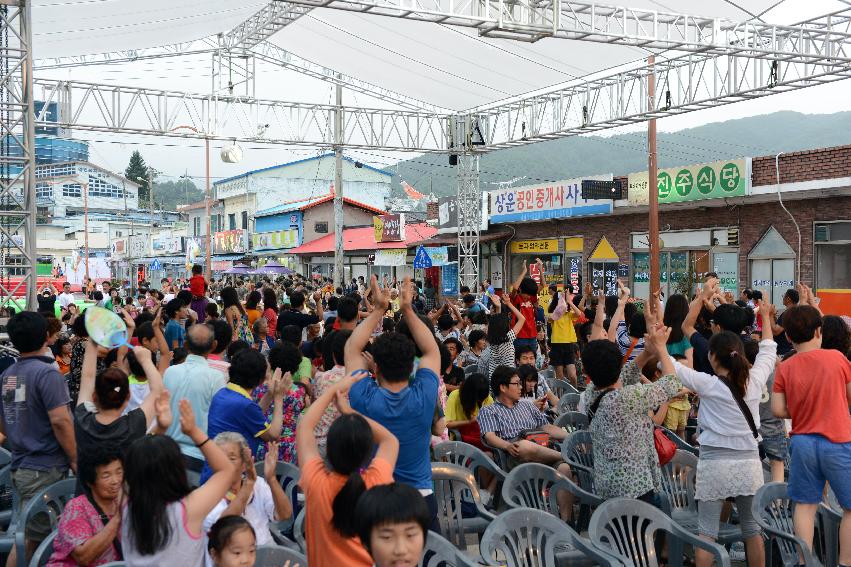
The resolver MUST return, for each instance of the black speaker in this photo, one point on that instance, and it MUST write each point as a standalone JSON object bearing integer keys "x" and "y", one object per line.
{"x": 453, "y": 159}
{"x": 593, "y": 189}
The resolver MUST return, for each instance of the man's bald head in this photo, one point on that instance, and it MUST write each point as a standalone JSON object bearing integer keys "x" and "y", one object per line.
{"x": 199, "y": 340}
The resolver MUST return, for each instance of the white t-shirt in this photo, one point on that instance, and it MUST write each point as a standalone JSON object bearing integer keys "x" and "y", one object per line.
{"x": 259, "y": 511}
{"x": 65, "y": 299}
{"x": 167, "y": 297}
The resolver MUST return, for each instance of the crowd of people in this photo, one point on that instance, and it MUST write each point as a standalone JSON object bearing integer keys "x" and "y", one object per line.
{"x": 175, "y": 441}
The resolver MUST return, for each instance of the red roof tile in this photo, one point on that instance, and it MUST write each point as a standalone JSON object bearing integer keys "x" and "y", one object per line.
{"x": 363, "y": 238}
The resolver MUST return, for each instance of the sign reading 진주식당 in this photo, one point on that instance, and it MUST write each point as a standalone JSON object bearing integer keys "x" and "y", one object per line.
{"x": 716, "y": 180}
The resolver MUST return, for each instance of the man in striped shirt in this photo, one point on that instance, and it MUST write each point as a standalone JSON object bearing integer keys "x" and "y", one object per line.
{"x": 502, "y": 422}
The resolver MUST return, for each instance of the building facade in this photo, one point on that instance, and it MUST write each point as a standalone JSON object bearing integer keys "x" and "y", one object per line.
{"x": 748, "y": 239}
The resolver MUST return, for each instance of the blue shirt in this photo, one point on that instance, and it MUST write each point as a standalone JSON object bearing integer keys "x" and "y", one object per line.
{"x": 174, "y": 331}
{"x": 233, "y": 409}
{"x": 407, "y": 414}
{"x": 197, "y": 382}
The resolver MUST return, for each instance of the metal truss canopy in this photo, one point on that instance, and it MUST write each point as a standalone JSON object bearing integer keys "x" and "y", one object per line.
{"x": 531, "y": 20}
{"x": 270, "y": 19}
{"x": 134, "y": 110}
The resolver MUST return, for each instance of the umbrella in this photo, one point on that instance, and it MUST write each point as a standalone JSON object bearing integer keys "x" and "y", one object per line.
{"x": 274, "y": 268}
{"x": 239, "y": 269}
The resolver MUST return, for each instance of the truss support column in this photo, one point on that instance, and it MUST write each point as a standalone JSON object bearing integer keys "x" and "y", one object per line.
{"x": 652, "y": 184}
{"x": 469, "y": 218}
{"x": 17, "y": 156}
{"x": 339, "y": 274}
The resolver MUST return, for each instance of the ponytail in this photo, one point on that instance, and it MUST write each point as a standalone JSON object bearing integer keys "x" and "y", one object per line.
{"x": 729, "y": 351}
{"x": 343, "y": 518}
{"x": 349, "y": 448}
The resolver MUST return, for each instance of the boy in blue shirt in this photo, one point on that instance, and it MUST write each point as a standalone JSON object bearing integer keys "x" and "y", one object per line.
{"x": 404, "y": 406}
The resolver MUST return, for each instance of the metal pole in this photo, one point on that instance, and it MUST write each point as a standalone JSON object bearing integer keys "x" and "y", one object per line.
{"x": 85, "y": 186}
{"x": 339, "y": 274}
{"x": 653, "y": 186}
{"x": 208, "y": 254}
{"x": 30, "y": 245}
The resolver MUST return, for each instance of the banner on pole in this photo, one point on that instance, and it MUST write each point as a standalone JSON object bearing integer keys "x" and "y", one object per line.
{"x": 391, "y": 257}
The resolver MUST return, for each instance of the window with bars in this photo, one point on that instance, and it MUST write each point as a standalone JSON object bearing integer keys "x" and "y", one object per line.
{"x": 100, "y": 188}
{"x": 43, "y": 191}
{"x": 196, "y": 226}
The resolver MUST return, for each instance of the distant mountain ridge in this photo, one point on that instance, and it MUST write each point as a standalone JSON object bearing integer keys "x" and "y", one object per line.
{"x": 587, "y": 155}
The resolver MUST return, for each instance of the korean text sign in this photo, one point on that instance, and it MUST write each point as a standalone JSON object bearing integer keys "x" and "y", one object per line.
{"x": 562, "y": 199}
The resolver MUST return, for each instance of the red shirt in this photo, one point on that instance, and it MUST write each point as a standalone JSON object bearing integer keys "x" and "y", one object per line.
{"x": 197, "y": 286}
{"x": 527, "y": 308}
{"x": 815, "y": 384}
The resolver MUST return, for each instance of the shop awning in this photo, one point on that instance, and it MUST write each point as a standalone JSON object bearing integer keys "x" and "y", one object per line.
{"x": 363, "y": 238}
{"x": 225, "y": 257}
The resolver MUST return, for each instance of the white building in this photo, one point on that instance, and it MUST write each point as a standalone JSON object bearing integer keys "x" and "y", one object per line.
{"x": 59, "y": 190}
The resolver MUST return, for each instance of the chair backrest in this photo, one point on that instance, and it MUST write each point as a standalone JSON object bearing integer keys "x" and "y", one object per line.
{"x": 577, "y": 448}
{"x": 523, "y": 537}
{"x": 43, "y": 551}
{"x": 532, "y": 485}
{"x": 454, "y": 486}
{"x": 774, "y": 511}
{"x": 8, "y": 501}
{"x": 287, "y": 475}
{"x": 438, "y": 552}
{"x": 568, "y": 402}
{"x": 678, "y": 478}
{"x": 562, "y": 387}
{"x": 50, "y": 501}
{"x": 275, "y": 556}
{"x": 572, "y": 421}
{"x": 467, "y": 456}
{"x": 298, "y": 531}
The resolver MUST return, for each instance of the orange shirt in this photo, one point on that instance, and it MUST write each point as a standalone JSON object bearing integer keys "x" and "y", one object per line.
{"x": 325, "y": 546}
{"x": 253, "y": 315}
{"x": 814, "y": 383}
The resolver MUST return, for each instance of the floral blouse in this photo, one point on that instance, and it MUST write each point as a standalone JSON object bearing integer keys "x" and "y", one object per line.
{"x": 294, "y": 403}
{"x": 625, "y": 461}
{"x": 78, "y": 524}
{"x": 74, "y": 376}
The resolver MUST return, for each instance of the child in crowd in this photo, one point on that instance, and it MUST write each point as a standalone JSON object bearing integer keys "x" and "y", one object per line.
{"x": 232, "y": 542}
{"x": 198, "y": 289}
{"x": 526, "y": 357}
{"x": 393, "y": 522}
{"x": 524, "y": 296}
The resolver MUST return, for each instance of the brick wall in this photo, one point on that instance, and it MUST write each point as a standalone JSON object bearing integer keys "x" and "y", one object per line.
{"x": 822, "y": 163}
{"x": 432, "y": 210}
{"x": 753, "y": 221}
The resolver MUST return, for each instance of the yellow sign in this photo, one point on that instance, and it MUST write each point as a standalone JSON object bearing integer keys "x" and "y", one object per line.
{"x": 378, "y": 227}
{"x": 604, "y": 251}
{"x": 534, "y": 246}
{"x": 574, "y": 244}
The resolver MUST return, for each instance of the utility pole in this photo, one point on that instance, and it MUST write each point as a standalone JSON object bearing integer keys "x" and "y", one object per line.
{"x": 652, "y": 184}
{"x": 208, "y": 253}
{"x": 339, "y": 274}
{"x": 85, "y": 186}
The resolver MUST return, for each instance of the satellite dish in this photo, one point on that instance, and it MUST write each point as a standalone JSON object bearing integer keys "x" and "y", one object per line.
{"x": 232, "y": 154}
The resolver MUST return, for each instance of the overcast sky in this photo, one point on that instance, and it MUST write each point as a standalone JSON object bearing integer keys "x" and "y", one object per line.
{"x": 390, "y": 52}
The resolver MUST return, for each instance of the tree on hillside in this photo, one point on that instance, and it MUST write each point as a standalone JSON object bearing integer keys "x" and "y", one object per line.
{"x": 170, "y": 195}
{"x": 137, "y": 172}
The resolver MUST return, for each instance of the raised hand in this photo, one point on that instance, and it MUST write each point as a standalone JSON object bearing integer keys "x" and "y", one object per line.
{"x": 162, "y": 407}
{"x": 380, "y": 297}
{"x": 270, "y": 462}
{"x": 187, "y": 417}
{"x": 143, "y": 355}
{"x": 656, "y": 338}
{"x": 406, "y": 295}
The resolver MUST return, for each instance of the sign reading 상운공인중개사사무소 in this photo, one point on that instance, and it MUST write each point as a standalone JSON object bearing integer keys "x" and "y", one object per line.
{"x": 716, "y": 180}
{"x": 558, "y": 200}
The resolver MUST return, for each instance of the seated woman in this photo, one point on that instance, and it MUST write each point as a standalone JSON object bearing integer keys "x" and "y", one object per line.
{"x": 462, "y": 408}
{"x": 88, "y": 531}
{"x": 254, "y": 498}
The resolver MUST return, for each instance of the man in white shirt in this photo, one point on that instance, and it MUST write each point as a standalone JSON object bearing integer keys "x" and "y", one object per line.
{"x": 66, "y": 298}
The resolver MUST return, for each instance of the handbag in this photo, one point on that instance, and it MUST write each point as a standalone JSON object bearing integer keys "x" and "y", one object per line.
{"x": 536, "y": 436}
{"x": 665, "y": 448}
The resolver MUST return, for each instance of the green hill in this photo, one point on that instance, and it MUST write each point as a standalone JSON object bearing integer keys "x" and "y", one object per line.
{"x": 587, "y": 155}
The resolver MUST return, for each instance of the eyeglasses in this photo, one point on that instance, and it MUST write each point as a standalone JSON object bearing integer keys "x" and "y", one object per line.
{"x": 514, "y": 383}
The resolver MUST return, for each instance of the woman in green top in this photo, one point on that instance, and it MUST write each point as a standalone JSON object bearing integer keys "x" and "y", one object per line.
{"x": 678, "y": 345}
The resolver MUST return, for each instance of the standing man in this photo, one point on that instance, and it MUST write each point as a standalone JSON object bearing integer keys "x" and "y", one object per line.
{"x": 196, "y": 381}
{"x": 66, "y": 298}
{"x": 294, "y": 315}
{"x": 36, "y": 419}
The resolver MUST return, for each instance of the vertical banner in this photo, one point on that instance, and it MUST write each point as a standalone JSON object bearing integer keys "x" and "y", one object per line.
{"x": 496, "y": 272}
{"x": 450, "y": 279}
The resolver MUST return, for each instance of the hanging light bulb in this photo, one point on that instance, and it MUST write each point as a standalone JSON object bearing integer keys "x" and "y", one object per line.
{"x": 232, "y": 153}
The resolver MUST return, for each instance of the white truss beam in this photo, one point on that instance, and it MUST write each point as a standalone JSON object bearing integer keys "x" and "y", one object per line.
{"x": 136, "y": 110}
{"x": 269, "y": 20}
{"x": 264, "y": 51}
{"x": 531, "y": 20}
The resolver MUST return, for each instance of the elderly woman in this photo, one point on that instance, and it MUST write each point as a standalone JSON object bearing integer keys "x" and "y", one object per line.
{"x": 88, "y": 529}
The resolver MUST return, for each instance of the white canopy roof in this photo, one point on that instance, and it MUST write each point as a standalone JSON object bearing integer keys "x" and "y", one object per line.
{"x": 450, "y": 67}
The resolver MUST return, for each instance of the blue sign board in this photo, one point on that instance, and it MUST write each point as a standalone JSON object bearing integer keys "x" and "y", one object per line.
{"x": 559, "y": 200}
{"x": 155, "y": 266}
{"x": 449, "y": 277}
{"x": 422, "y": 259}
